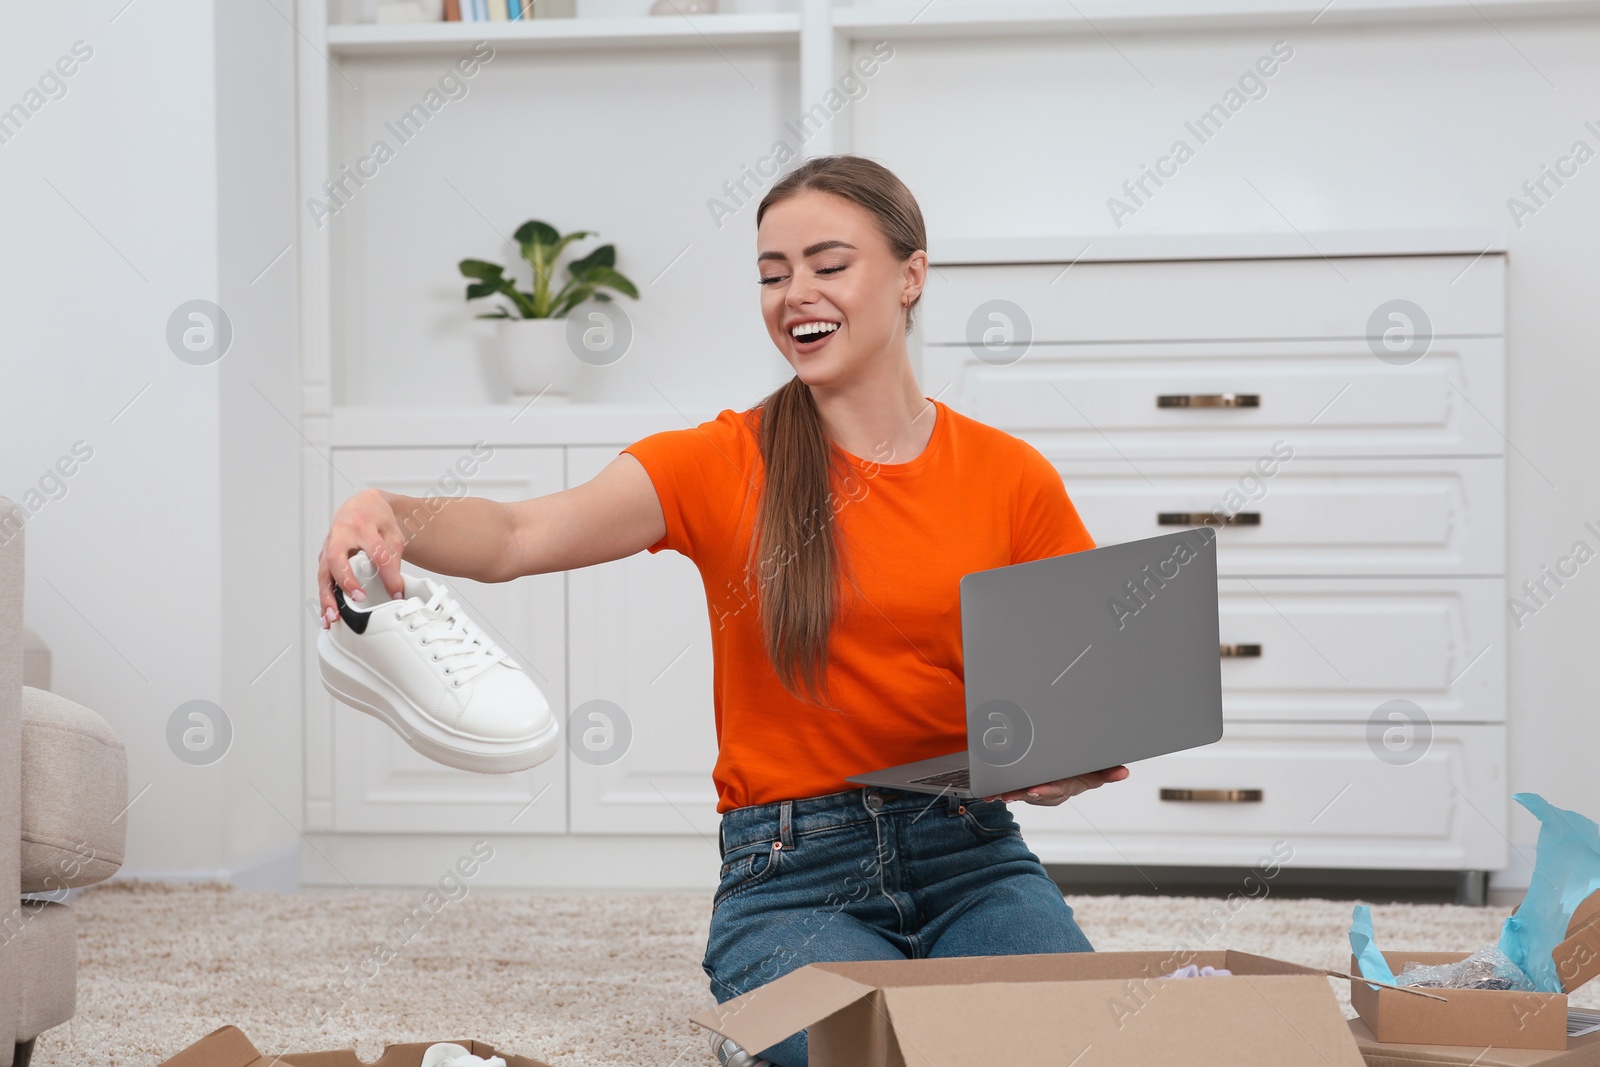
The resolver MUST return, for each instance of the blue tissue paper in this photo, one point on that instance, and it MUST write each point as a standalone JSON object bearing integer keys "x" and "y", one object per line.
{"x": 1373, "y": 965}
{"x": 1566, "y": 870}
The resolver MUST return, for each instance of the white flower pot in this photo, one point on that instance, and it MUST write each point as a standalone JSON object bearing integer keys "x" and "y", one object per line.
{"x": 535, "y": 358}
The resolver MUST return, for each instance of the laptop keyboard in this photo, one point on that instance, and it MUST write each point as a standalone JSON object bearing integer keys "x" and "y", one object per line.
{"x": 956, "y": 779}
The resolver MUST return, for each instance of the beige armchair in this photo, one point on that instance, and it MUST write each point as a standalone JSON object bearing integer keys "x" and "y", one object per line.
{"x": 63, "y": 788}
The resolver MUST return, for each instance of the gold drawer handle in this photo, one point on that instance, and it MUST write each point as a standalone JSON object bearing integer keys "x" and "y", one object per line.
{"x": 1213, "y": 796}
{"x": 1207, "y": 518}
{"x": 1241, "y": 651}
{"x": 1209, "y": 400}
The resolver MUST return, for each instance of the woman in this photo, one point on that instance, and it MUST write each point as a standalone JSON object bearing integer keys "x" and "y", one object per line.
{"x": 832, "y": 585}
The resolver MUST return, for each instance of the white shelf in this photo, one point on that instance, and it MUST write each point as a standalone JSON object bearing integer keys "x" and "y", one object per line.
{"x": 507, "y": 425}
{"x": 574, "y": 33}
{"x": 920, "y": 18}
{"x": 1135, "y": 247}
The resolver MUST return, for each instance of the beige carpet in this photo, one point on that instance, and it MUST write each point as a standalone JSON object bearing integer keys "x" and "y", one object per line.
{"x": 572, "y": 980}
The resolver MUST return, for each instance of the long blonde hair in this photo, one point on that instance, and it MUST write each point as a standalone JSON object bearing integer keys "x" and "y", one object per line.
{"x": 795, "y": 538}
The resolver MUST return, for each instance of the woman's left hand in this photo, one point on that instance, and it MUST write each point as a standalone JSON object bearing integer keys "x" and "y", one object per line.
{"x": 1053, "y": 793}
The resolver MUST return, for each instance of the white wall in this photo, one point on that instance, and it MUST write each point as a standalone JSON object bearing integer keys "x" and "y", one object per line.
{"x": 136, "y": 573}
{"x": 261, "y": 582}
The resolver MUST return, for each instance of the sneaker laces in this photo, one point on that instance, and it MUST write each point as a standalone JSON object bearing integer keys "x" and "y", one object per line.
{"x": 446, "y": 622}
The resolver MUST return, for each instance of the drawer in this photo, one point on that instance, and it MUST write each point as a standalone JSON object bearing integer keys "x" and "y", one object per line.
{"x": 1312, "y": 649}
{"x": 1215, "y": 300}
{"x": 1319, "y": 794}
{"x": 1322, "y": 398}
{"x": 1350, "y": 517}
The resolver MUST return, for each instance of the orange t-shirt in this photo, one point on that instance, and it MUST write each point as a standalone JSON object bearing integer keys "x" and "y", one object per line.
{"x": 973, "y": 499}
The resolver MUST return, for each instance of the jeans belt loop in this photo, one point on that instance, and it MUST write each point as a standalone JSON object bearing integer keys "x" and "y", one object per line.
{"x": 786, "y": 823}
{"x": 722, "y": 838}
{"x": 952, "y": 805}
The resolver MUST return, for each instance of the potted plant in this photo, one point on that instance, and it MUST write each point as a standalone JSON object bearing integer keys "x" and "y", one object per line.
{"x": 534, "y": 352}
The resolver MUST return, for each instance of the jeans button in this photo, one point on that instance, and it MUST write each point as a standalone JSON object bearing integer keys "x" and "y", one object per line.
{"x": 874, "y": 800}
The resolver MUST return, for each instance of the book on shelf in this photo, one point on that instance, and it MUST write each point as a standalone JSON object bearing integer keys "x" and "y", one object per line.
{"x": 494, "y": 10}
{"x": 452, "y": 10}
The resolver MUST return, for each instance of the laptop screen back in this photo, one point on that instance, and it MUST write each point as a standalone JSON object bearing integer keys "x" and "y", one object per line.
{"x": 1085, "y": 661}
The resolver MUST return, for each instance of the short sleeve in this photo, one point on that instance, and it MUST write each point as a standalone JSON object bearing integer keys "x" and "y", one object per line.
{"x": 1047, "y": 522}
{"x": 695, "y": 471}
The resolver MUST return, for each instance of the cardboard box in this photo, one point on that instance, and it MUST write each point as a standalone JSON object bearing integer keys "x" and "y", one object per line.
{"x": 1088, "y": 1009}
{"x": 1584, "y": 1052}
{"x": 228, "y": 1047}
{"x": 1484, "y": 1018}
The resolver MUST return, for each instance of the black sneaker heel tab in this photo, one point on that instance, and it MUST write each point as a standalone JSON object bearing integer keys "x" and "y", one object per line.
{"x": 356, "y": 620}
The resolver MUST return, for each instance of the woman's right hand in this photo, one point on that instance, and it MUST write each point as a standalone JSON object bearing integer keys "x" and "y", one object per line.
{"x": 364, "y": 523}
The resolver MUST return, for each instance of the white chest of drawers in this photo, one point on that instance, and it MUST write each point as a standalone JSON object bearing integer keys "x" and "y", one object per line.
{"x": 1358, "y": 458}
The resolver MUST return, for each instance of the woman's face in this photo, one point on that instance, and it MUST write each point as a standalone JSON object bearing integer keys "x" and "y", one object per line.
{"x": 823, "y": 262}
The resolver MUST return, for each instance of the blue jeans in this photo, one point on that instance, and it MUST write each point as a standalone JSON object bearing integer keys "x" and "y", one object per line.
{"x": 872, "y": 874}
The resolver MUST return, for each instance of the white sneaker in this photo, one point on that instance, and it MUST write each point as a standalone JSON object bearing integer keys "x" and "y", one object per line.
{"x": 446, "y": 1054}
{"x": 424, "y": 668}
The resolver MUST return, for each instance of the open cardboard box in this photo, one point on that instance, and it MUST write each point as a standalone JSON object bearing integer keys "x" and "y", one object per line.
{"x": 1089, "y": 1009}
{"x": 228, "y": 1047}
{"x": 1498, "y": 1018}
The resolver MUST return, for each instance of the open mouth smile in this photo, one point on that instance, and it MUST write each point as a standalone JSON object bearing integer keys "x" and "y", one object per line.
{"x": 813, "y": 334}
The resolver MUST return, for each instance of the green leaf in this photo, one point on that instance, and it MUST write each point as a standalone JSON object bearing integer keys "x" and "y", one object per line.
{"x": 541, "y": 259}
{"x": 501, "y": 314}
{"x": 610, "y": 278}
{"x": 553, "y": 253}
{"x": 480, "y": 289}
{"x": 541, "y": 256}
{"x": 571, "y": 295}
{"x": 604, "y": 256}
{"x": 536, "y": 232}
{"x": 479, "y": 269}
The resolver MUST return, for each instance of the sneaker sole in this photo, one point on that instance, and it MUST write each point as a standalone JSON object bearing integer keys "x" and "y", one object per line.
{"x": 353, "y": 683}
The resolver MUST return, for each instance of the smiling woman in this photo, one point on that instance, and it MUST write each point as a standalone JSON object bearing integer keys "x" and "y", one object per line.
{"x": 852, "y": 656}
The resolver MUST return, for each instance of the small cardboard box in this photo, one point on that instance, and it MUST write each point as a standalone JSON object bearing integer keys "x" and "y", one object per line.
{"x": 1501, "y": 1018}
{"x": 1089, "y": 1009}
{"x": 1581, "y": 1052}
{"x": 228, "y": 1047}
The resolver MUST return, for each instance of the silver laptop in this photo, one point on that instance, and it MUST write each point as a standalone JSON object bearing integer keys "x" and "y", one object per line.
{"x": 1081, "y": 662}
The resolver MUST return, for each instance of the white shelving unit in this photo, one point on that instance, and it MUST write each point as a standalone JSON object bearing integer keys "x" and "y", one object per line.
{"x": 918, "y": 18}
{"x": 792, "y": 59}
{"x": 945, "y": 18}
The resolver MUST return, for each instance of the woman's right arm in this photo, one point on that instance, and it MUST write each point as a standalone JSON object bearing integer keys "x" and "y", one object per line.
{"x": 614, "y": 514}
